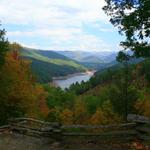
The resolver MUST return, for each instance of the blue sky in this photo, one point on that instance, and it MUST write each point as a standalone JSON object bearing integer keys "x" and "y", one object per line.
{"x": 59, "y": 24}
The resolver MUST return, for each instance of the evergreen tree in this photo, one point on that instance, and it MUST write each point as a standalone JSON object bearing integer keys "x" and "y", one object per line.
{"x": 3, "y": 45}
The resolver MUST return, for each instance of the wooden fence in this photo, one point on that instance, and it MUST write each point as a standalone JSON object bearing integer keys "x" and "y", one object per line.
{"x": 142, "y": 126}
{"x": 138, "y": 127}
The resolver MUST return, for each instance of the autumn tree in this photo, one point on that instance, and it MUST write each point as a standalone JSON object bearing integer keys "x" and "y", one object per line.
{"x": 80, "y": 112}
{"x": 19, "y": 93}
{"x": 98, "y": 117}
{"x": 66, "y": 116}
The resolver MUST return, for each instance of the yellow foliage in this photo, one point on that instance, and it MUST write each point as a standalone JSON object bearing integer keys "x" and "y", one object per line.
{"x": 98, "y": 118}
{"x": 21, "y": 87}
{"x": 143, "y": 107}
{"x": 143, "y": 104}
{"x": 80, "y": 112}
{"x": 105, "y": 115}
{"x": 66, "y": 116}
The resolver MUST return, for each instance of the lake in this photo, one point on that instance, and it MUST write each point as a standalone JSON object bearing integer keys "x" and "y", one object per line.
{"x": 65, "y": 82}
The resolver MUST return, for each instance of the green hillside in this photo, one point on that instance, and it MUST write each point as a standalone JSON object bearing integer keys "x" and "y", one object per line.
{"x": 111, "y": 74}
{"x": 115, "y": 89}
{"x": 47, "y": 64}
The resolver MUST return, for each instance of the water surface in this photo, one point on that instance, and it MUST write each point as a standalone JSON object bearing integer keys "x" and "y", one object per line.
{"x": 66, "y": 82}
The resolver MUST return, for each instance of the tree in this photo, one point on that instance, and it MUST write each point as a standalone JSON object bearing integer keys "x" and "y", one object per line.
{"x": 98, "y": 117}
{"x": 92, "y": 103}
{"x": 66, "y": 116}
{"x": 132, "y": 17}
{"x": 19, "y": 94}
{"x": 80, "y": 112}
{"x": 118, "y": 98}
{"x": 14, "y": 46}
{"x": 3, "y": 45}
{"x": 124, "y": 58}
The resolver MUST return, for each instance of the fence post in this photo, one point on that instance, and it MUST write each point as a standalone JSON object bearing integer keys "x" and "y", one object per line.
{"x": 142, "y": 126}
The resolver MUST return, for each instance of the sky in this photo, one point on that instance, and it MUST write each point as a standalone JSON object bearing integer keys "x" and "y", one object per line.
{"x": 59, "y": 24}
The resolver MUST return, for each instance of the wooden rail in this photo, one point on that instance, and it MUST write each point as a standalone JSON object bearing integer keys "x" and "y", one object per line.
{"x": 4, "y": 128}
{"x": 138, "y": 127}
{"x": 142, "y": 126}
{"x": 123, "y": 125}
{"x": 31, "y": 120}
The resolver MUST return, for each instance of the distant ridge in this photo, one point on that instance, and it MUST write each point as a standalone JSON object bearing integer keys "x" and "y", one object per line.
{"x": 47, "y": 64}
{"x": 91, "y": 59}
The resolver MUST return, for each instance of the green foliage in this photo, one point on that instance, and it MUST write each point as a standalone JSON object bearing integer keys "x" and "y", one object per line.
{"x": 92, "y": 103}
{"x": 45, "y": 71}
{"x": 79, "y": 88}
{"x": 113, "y": 85}
{"x": 3, "y": 45}
{"x": 122, "y": 56}
{"x": 101, "y": 100}
{"x": 59, "y": 98}
{"x": 54, "y": 115}
{"x": 48, "y": 64}
{"x": 132, "y": 19}
{"x": 145, "y": 70}
{"x": 102, "y": 105}
{"x": 106, "y": 75}
{"x": 118, "y": 99}
{"x": 58, "y": 101}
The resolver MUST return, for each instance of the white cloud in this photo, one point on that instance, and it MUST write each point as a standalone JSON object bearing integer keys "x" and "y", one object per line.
{"x": 75, "y": 40}
{"x": 61, "y": 22}
{"x": 51, "y": 11}
{"x": 57, "y": 32}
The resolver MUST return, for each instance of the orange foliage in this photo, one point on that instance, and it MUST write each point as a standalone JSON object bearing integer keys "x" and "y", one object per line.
{"x": 143, "y": 104}
{"x": 22, "y": 89}
{"x": 80, "y": 112}
{"x": 143, "y": 107}
{"x": 98, "y": 118}
{"x": 41, "y": 94}
{"x": 105, "y": 115}
{"x": 66, "y": 116}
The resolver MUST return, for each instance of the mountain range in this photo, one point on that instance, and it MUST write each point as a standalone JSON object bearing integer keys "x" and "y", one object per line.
{"x": 91, "y": 59}
{"x": 48, "y": 64}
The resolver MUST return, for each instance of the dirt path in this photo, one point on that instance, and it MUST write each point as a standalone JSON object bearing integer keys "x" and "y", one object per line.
{"x": 15, "y": 141}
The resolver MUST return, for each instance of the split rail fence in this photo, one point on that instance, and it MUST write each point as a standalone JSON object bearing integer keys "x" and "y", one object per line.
{"x": 137, "y": 128}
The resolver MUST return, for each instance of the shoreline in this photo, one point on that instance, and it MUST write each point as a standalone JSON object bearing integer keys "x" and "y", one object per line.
{"x": 56, "y": 80}
{"x": 72, "y": 75}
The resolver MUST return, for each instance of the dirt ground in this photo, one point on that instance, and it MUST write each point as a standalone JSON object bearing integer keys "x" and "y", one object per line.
{"x": 13, "y": 141}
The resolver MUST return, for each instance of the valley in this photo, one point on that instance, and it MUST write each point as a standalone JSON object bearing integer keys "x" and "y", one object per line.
{"x": 75, "y": 74}
{"x": 61, "y": 64}
{"x": 50, "y": 64}
{"x": 63, "y": 68}
{"x": 65, "y": 81}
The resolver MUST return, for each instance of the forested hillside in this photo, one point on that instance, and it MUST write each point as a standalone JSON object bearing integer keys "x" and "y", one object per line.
{"x": 113, "y": 105}
{"x": 106, "y": 98}
{"x": 48, "y": 64}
